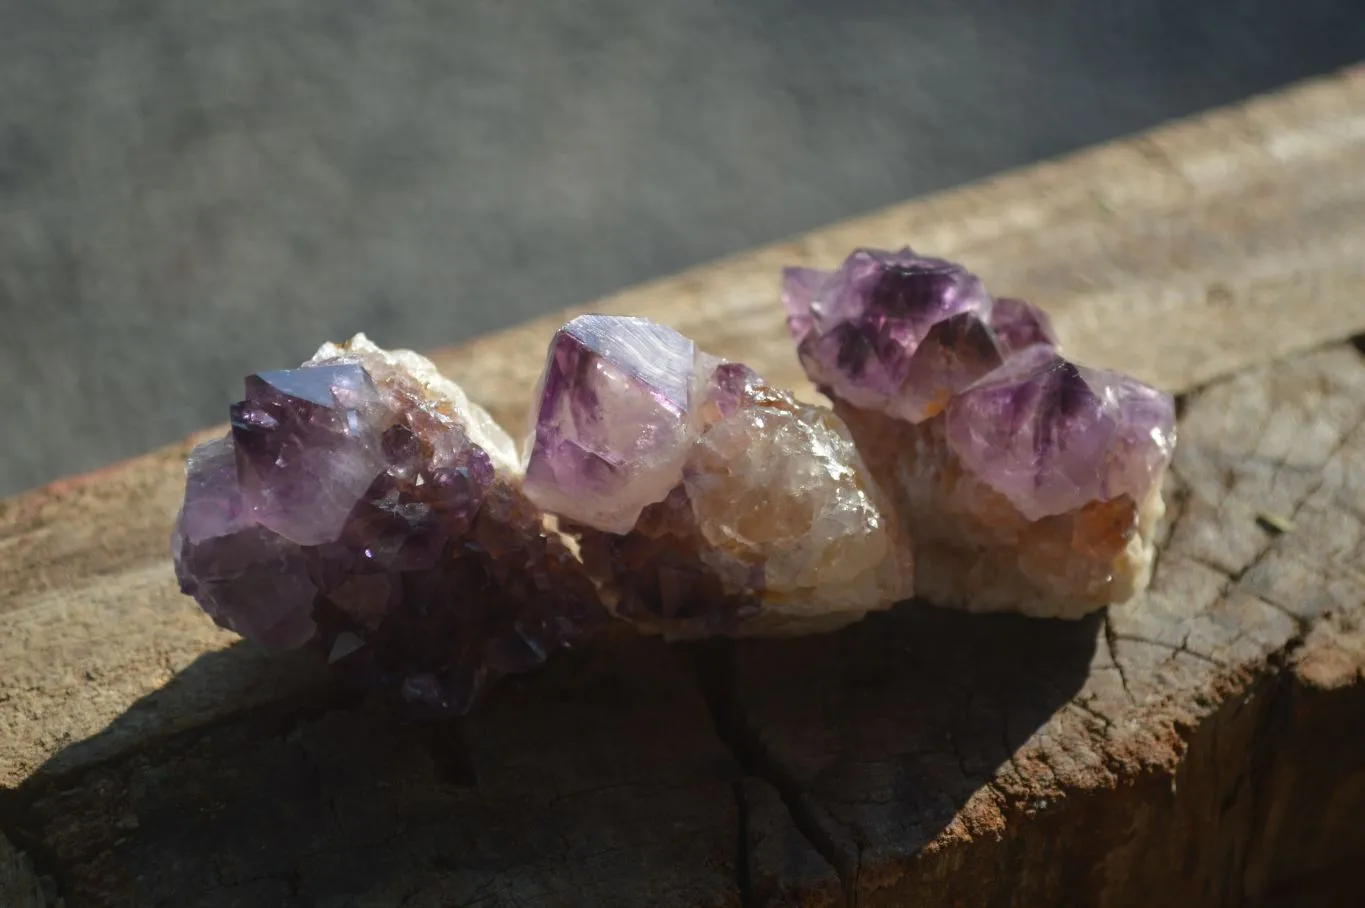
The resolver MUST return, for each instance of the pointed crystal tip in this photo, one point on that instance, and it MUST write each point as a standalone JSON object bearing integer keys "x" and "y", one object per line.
{"x": 1052, "y": 436}
{"x": 610, "y": 431}
{"x": 900, "y": 332}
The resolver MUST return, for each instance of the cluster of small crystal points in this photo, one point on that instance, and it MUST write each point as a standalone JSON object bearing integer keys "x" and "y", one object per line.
{"x": 704, "y": 500}
{"x": 1027, "y": 482}
{"x": 362, "y": 506}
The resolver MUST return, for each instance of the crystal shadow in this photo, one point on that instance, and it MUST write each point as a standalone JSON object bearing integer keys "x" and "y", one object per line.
{"x": 630, "y": 772}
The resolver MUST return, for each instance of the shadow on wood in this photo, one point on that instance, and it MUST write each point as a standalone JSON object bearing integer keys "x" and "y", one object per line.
{"x": 622, "y": 776}
{"x": 878, "y": 738}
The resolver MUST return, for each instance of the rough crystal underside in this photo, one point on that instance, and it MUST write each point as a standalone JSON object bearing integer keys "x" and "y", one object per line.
{"x": 1026, "y": 481}
{"x": 361, "y": 505}
{"x": 706, "y": 501}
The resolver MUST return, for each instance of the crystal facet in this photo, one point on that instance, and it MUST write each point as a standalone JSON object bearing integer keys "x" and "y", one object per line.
{"x": 1052, "y": 436}
{"x": 1027, "y": 482}
{"x": 892, "y": 331}
{"x": 307, "y": 447}
{"x": 1019, "y": 325}
{"x": 705, "y": 500}
{"x": 610, "y": 434}
{"x": 363, "y": 506}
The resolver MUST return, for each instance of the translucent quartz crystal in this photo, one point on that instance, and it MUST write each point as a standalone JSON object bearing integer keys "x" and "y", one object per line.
{"x": 705, "y": 501}
{"x": 1052, "y": 436}
{"x": 361, "y": 505}
{"x": 613, "y": 423}
{"x": 1027, "y": 482}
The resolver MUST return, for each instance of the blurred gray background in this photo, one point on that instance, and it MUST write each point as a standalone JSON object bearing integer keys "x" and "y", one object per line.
{"x": 193, "y": 190}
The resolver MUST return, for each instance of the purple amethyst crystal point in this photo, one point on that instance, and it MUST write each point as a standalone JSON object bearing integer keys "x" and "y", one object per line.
{"x": 730, "y": 386}
{"x": 870, "y": 331}
{"x": 1019, "y": 325}
{"x": 307, "y": 443}
{"x": 704, "y": 500}
{"x": 799, "y": 287}
{"x": 363, "y": 506}
{"x": 1024, "y": 482}
{"x": 610, "y": 433}
{"x": 1052, "y": 436}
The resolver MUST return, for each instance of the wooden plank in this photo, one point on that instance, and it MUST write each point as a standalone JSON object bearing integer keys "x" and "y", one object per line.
{"x": 1203, "y": 741}
{"x": 1183, "y": 256}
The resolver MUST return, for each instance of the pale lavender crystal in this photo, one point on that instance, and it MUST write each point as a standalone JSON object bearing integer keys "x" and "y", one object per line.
{"x": 704, "y": 500}
{"x": 799, "y": 287}
{"x": 608, "y": 436}
{"x": 1052, "y": 436}
{"x": 892, "y": 331}
{"x": 729, "y": 386}
{"x": 351, "y": 510}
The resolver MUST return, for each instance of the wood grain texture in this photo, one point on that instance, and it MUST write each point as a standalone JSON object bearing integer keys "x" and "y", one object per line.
{"x": 1199, "y": 251}
{"x": 1206, "y": 735}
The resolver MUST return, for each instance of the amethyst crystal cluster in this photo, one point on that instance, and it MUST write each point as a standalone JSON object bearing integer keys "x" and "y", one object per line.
{"x": 1026, "y": 481}
{"x": 362, "y": 506}
{"x": 705, "y": 501}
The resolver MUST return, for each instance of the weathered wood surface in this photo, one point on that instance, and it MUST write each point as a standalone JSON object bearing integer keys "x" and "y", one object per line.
{"x": 1207, "y": 739}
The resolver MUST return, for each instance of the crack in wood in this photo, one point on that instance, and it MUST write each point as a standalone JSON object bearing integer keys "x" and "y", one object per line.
{"x": 1084, "y": 707}
{"x": 743, "y": 878}
{"x": 715, "y": 678}
{"x": 20, "y": 887}
{"x": 1111, "y": 640}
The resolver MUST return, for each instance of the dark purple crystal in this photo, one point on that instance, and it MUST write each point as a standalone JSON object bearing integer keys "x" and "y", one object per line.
{"x": 307, "y": 445}
{"x": 355, "y": 515}
{"x": 248, "y": 578}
